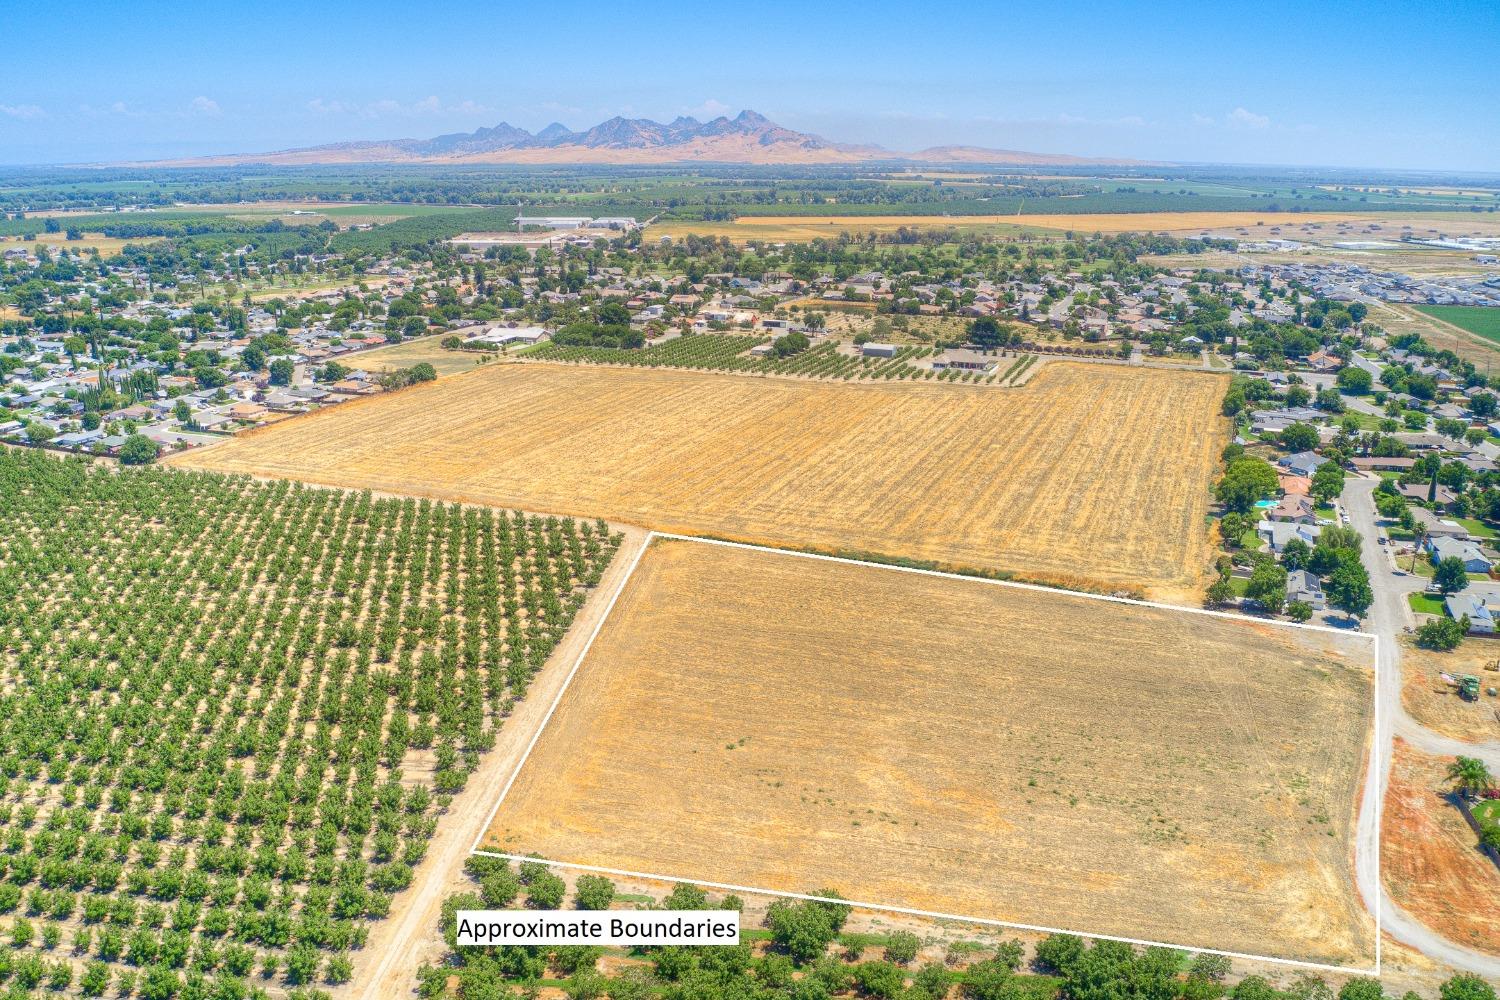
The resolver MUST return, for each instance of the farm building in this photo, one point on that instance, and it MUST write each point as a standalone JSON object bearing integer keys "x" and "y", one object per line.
{"x": 509, "y": 335}
{"x": 969, "y": 361}
{"x": 554, "y": 221}
{"x": 878, "y": 350}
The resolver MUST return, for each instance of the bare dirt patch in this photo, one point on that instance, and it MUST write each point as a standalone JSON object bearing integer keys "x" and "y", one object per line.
{"x": 1091, "y": 475}
{"x": 1429, "y": 861}
{"x": 776, "y": 721}
{"x": 1436, "y": 704}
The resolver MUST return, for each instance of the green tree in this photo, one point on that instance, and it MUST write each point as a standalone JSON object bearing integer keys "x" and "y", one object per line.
{"x": 1362, "y": 989}
{"x": 1450, "y": 575}
{"x": 593, "y": 892}
{"x": 1328, "y": 482}
{"x": 1300, "y": 437}
{"x": 1299, "y": 611}
{"x": 1353, "y": 380}
{"x": 1470, "y": 776}
{"x": 986, "y": 333}
{"x": 1349, "y": 589}
{"x": 1466, "y": 987}
{"x": 138, "y": 449}
{"x": 801, "y": 929}
{"x": 1246, "y": 480}
{"x": 1442, "y": 634}
{"x": 901, "y": 947}
{"x": 281, "y": 371}
{"x": 880, "y": 979}
{"x": 1267, "y": 586}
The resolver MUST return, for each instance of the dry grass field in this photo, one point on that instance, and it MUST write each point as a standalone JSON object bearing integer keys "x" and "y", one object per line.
{"x": 803, "y": 228}
{"x": 1429, "y": 861}
{"x": 412, "y": 352}
{"x": 1436, "y": 704}
{"x": 1090, "y": 475}
{"x": 782, "y": 722}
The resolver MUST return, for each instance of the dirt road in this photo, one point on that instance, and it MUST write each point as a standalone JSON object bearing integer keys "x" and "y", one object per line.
{"x": 399, "y": 946}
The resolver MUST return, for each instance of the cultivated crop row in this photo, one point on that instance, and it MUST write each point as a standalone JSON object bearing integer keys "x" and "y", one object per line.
{"x": 711, "y": 352}
{"x": 235, "y": 709}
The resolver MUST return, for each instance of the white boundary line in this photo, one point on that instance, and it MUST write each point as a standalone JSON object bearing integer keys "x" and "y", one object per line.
{"x": 908, "y": 911}
{"x": 651, "y": 536}
{"x": 561, "y": 691}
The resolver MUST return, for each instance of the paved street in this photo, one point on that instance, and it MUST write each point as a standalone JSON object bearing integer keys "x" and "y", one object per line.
{"x": 1388, "y": 618}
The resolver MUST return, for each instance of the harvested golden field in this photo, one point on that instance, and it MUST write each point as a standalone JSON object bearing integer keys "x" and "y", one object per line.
{"x": 777, "y": 721}
{"x": 801, "y": 228}
{"x": 1090, "y": 474}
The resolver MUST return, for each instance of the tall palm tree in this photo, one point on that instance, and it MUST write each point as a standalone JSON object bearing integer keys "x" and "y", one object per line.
{"x": 1470, "y": 775}
{"x": 1418, "y": 536}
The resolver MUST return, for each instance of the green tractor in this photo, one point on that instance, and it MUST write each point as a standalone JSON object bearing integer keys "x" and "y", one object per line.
{"x": 1468, "y": 687}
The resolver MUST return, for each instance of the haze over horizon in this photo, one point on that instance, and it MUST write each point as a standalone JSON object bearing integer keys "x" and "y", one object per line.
{"x": 1366, "y": 85}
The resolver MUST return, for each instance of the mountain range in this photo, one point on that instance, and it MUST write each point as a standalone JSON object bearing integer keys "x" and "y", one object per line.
{"x": 748, "y": 137}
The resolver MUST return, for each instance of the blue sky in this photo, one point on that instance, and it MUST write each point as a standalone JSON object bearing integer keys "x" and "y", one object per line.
{"x": 1374, "y": 84}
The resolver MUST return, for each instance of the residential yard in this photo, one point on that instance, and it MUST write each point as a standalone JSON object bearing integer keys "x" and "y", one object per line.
{"x": 1089, "y": 475}
{"x": 1426, "y": 604}
{"x": 770, "y": 720}
{"x": 412, "y": 352}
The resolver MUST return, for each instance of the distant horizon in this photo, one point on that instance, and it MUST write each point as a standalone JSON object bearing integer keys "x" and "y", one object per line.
{"x": 1347, "y": 86}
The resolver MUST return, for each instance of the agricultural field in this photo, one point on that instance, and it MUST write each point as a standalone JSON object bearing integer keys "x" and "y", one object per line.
{"x": 1478, "y": 320}
{"x": 1429, "y": 862}
{"x": 1090, "y": 475}
{"x": 237, "y": 710}
{"x": 1396, "y": 318}
{"x": 708, "y": 352}
{"x": 776, "y": 721}
{"x": 802, "y": 228}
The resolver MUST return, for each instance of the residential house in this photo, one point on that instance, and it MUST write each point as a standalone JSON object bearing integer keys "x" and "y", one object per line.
{"x": 1467, "y": 552}
{"x": 1481, "y": 621}
{"x": 1277, "y": 534}
{"x": 1305, "y": 587}
{"x": 1293, "y": 508}
{"x": 1303, "y": 463}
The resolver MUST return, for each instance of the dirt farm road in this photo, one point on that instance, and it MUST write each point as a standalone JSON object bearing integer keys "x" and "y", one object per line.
{"x": 407, "y": 942}
{"x": 1388, "y": 617}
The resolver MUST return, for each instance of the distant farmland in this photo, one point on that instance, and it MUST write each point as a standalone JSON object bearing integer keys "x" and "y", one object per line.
{"x": 775, "y": 721}
{"x": 803, "y": 228}
{"x": 1483, "y": 321}
{"x": 1090, "y": 475}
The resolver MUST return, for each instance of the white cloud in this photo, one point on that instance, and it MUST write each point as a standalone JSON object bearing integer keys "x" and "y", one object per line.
{"x": 318, "y": 106}
{"x": 205, "y": 106}
{"x": 428, "y": 107}
{"x": 1242, "y": 118}
{"x": 1203, "y": 121}
{"x": 25, "y": 112}
{"x": 710, "y": 109}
